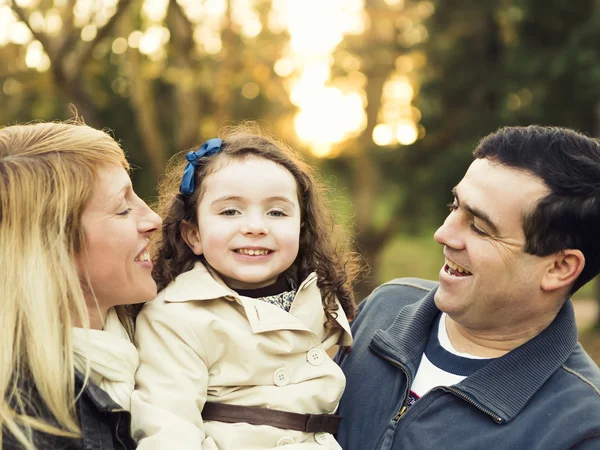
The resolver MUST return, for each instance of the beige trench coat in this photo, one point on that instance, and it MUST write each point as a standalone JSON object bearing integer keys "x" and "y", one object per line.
{"x": 200, "y": 341}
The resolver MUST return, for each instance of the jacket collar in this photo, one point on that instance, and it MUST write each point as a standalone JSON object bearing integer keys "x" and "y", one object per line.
{"x": 99, "y": 398}
{"x": 202, "y": 283}
{"x": 506, "y": 384}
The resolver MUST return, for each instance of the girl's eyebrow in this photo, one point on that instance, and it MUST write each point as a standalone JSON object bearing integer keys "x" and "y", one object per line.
{"x": 281, "y": 199}
{"x": 226, "y": 198}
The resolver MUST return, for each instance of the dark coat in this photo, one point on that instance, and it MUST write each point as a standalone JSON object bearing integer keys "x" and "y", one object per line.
{"x": 543, "y": 395}
{"x": 104, "y": 424}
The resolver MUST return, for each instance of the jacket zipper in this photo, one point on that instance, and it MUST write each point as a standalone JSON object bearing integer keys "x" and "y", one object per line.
{"x": 475, "y": 404}
{"x": 404, "y": 406}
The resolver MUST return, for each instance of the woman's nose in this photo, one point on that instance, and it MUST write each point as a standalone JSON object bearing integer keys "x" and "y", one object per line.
{"x": 150, "y": 221}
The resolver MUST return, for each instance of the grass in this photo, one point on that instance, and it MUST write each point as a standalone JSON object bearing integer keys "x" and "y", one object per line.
{"x": 590, "y": 340}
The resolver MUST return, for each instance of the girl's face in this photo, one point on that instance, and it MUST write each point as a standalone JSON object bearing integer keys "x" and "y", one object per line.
{"x": 248, "y": 222}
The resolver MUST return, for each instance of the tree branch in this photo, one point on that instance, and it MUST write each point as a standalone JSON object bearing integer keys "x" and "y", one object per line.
{"x": 85, "y": 54}
{"x": 188, "y": 102}
{"x": 70, "y": 37}
{"x": 45, "y": 41}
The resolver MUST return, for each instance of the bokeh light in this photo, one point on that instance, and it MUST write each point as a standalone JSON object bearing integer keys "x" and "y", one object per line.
{"x": 330, "y": 109}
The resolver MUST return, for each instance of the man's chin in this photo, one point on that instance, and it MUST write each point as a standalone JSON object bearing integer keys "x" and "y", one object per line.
{"x": 447, "y": 302}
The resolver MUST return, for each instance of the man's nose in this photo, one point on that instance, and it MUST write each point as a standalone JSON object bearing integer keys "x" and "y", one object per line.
{"x": 449, "y": 233}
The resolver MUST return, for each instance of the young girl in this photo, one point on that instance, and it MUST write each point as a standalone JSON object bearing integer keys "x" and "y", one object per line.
{"x": 254, "y": 292}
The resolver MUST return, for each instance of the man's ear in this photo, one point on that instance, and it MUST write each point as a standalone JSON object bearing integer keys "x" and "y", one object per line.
{"x": 566, "y": 267}
{"x": 191, "y": 236}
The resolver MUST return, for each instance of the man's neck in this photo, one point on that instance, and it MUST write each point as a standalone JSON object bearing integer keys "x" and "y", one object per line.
{"x": 495, "y": 342}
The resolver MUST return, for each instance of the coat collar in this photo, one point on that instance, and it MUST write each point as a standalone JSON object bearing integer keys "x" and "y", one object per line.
{"x": 505, "y": 385}
{"x": 202, "y": 283}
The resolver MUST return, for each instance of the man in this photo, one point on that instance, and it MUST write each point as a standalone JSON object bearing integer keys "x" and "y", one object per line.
{"x": 488, "y": 358}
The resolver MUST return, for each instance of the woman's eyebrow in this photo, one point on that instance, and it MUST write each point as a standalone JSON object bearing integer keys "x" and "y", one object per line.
{"x": 117, "y": 196}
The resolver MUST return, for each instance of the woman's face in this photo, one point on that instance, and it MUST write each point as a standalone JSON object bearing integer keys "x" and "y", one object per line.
{"x": 114, "y": 259}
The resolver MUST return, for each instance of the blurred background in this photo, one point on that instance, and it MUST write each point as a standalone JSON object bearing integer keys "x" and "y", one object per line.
{"x": 387, "y": 97}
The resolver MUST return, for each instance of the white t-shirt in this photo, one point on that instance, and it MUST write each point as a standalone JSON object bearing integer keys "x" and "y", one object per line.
{"x": 441, "y": 364}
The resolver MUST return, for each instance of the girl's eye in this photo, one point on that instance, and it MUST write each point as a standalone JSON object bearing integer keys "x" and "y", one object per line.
{"x": 229, "y": 212}
{"x": 477, "y": 230}
{"x": 277, "y": 213}
{"x": 453, "y": 206}
{"x": 124, "y": 213}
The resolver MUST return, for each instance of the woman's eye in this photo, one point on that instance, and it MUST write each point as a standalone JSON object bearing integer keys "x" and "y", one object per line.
{"x": 124, "y": 213}
{"x": 452, "y": 206}
{"x": 229, "y": 212}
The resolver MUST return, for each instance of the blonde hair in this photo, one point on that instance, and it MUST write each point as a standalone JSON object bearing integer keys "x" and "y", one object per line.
{"x": 47, "y": 174}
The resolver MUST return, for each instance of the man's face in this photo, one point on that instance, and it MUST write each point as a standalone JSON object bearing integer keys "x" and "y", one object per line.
{"x": 488, "y": 281}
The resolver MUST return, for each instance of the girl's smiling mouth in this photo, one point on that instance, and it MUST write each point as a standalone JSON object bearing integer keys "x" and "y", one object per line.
{"x": 253, "y": 251}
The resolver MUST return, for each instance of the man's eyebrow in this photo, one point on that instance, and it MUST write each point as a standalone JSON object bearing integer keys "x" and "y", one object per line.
{"x": 476, "y": 212}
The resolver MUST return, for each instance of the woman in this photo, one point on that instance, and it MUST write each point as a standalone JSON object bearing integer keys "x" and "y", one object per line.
{"x": 73, "y": 255}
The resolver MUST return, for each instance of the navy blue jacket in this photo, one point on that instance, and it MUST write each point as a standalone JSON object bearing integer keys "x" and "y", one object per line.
{"x": 542, "y": 395}
{"x": 104, "y": 424}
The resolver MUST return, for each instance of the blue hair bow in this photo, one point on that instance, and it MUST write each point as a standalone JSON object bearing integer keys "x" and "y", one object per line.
{"x": 210, "y": 147}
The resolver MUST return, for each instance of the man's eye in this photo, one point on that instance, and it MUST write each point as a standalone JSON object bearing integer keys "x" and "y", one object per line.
{"x": 477, "y": 230}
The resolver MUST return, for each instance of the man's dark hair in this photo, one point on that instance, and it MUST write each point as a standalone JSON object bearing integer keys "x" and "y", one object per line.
{"x": 569, "y": 164}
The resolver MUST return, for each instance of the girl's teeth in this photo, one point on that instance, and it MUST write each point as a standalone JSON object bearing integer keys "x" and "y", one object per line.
{"x": 252, "y": 252}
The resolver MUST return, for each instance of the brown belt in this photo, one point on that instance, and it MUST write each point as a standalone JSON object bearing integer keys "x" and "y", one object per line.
{"x": 254, "y": 415}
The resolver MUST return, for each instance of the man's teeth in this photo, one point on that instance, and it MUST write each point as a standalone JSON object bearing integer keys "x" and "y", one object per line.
{"x": 143, "y": 257}
{"x": 456, "y": 267}
{"x": 252, "y": 252}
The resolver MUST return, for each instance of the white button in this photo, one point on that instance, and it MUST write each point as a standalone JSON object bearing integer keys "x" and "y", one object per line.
{"x": 325, "y": 438}
{"x": 285, "y": 441}
{"x": 281, "y": 377}
{"x": 315, "y": 356}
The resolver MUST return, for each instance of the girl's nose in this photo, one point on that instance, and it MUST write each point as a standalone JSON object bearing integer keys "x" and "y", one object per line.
{"x": 254, "y": 226}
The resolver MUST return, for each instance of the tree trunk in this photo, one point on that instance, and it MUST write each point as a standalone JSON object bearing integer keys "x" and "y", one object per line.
{"x": 187, "y": 100}
{"x": 143, "y": 103}
{"x": 370, "y": 240}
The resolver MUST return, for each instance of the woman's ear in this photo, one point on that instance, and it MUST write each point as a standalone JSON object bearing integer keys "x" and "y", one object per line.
{"x": 191, "y": 236}
{"x": 566, "y": 267}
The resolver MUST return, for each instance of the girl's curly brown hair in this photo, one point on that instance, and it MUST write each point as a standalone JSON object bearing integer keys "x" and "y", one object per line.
{"x": 321, "y": 249}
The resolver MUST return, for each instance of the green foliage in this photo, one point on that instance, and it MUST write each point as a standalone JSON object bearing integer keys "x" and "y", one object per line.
{"x": 411, "y": 256}
{"x": 485, "y": 64}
